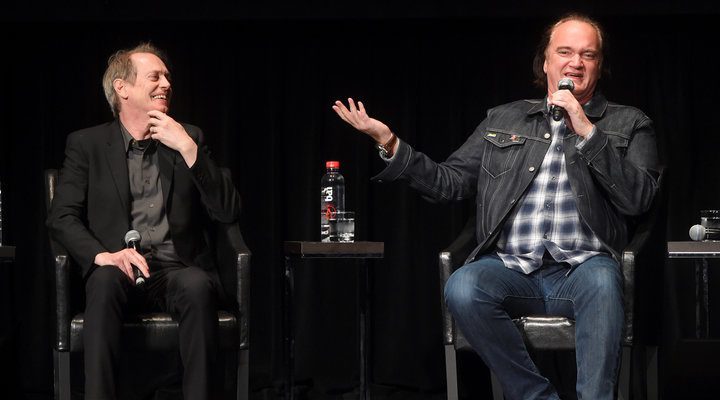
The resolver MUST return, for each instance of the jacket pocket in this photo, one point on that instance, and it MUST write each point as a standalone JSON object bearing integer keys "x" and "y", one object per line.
{"x": 502, "y": 151}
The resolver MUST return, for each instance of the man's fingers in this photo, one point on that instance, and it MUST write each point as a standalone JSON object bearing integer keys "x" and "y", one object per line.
{"x": 339, "y": 104}
{"x": 340, "y": 108}
{"x": 353, "y": 109}
{"x": 139, "y": 261}
{"x": 144, "y": 268}
{"x": 127, "y": 269}
{"x": 341, "y": 114}
{"x": 156, "y": 115}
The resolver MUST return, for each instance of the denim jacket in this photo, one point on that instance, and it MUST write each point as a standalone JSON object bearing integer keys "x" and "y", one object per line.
{"x": 613, "y": 175}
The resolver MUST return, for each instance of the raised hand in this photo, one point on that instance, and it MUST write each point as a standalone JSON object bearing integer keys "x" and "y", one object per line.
{"x": 172, "y": 134}
{"x": 358, "y": 118}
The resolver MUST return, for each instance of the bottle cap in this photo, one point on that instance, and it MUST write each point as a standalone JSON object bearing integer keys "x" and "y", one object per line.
{"x": 332, "y": 164}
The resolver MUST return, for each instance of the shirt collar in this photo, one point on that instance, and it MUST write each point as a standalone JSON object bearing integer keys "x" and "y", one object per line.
{"x": 128, "y": 140}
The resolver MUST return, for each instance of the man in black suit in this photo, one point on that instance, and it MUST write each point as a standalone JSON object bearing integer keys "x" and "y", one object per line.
{"x": 147, "y": 172}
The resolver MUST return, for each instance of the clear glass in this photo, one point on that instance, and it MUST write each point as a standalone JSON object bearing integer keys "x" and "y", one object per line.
{"x": 710, "y": 220}
{"x": 342, "y": 227}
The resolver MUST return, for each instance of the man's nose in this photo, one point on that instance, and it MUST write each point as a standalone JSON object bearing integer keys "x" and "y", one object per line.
{"x": 576, "y": 61}
{"x": 164, "y": 82}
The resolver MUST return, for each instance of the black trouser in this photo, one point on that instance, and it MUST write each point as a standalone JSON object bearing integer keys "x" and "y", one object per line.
{"x": 189, "y": 294}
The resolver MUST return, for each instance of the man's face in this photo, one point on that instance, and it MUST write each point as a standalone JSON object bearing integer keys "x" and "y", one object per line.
{"x": 574, "y": 52}
{"x": 151, "y": 90}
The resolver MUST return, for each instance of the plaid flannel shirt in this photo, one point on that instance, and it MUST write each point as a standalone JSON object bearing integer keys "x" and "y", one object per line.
{"x": 546, "y": 218}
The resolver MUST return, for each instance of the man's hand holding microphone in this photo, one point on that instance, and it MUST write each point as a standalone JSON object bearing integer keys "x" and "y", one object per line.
{"x": 128, "y": 260}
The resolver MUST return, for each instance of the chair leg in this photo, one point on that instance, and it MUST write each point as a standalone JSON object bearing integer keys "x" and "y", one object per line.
{"x": 625, "y": 374}
{"x": 497, "y": 391}
{"x": 243, "y": 373}
{"x": 651, "y": 362}
{"x": 61, "y": 361}
{"x": 451, "y": 372}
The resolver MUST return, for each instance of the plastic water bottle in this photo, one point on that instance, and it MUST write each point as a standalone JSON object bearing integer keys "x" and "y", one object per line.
{"x": 332, "y": 197}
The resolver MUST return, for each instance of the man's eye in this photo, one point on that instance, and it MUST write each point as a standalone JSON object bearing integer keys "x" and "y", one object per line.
{"x": 590, "y": 56}
{"x": 564, "y": 52}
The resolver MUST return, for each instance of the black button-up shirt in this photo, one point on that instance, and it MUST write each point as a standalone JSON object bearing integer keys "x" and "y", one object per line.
{"x": 147, "y": 209}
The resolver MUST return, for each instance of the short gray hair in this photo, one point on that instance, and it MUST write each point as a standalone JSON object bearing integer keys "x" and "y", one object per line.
{"x": 120, "y": 66}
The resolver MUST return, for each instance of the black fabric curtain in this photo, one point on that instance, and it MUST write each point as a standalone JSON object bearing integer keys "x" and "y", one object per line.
{"x": 262, "y": 88}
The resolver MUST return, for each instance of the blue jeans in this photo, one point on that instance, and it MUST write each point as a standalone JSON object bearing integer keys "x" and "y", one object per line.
{"x": 484, "y": 296}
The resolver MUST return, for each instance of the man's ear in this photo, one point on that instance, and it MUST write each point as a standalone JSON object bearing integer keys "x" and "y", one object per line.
{"x": 120, "y": 88}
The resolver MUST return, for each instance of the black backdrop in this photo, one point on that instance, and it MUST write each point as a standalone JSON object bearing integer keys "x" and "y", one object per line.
{"x": 260, "y": 80}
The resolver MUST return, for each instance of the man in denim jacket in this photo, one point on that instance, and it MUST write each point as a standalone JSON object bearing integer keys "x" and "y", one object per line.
{"x": 552, "y": 201}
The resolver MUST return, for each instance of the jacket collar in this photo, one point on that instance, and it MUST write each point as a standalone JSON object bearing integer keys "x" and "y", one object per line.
{"x": 595, "y": 108}
{"x": 117, "y": 163}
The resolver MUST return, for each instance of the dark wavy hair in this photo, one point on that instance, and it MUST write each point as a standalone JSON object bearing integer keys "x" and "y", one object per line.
{"x": 540, "y": 76}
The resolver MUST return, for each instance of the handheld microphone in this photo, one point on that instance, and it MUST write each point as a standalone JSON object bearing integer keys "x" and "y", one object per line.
{"x": 564, "y": 84}
{"x": 132, "y": 241}
{"x": 698, "y": 233}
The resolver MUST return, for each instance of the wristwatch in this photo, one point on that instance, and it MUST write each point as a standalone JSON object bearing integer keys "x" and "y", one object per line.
{"x": 386, "y": 150}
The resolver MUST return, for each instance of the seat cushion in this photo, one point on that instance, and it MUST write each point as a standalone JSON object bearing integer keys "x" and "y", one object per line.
{"x": 539, "y": 333}
{"x": 157, "y": 332}
{"x": 547, "y": 332}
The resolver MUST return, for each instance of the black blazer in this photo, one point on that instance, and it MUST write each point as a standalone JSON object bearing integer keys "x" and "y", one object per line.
{"x": 90, "y": 213}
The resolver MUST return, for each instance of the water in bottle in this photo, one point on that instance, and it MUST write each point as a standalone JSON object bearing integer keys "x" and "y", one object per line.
{"x": 332, "y": 198}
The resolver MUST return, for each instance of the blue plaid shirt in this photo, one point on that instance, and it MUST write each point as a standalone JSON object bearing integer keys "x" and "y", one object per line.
{"x": 546, "y": 217}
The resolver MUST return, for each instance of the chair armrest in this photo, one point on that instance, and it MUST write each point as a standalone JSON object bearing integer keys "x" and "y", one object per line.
{"x": 61, "y": 262}
{"x": 449, "y": 260}
{"x": 232, "y": 251}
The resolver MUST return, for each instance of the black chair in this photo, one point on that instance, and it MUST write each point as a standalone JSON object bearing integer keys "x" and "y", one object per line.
{"x": 156, "y": 331}
{"x": 641, "y": 263}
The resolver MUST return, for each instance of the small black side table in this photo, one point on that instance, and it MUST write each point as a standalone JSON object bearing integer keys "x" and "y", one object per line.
{"x": 700, "y": 252}
{"x": 295, "y": 250}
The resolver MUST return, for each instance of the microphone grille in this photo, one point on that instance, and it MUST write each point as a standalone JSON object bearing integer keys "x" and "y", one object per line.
{"x": 132, "y": 235}
{"x": 566, "y": 83}
{"x": 697, "y": 233}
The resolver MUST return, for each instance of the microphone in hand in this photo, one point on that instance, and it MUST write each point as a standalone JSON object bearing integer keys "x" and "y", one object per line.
{"x": 564, "y": 84}
{"x": 132, "y": 241}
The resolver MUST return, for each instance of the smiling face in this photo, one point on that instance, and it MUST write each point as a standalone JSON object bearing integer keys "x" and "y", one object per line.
{"x": 574, "y": 52}
{"x": 151, "y": 89}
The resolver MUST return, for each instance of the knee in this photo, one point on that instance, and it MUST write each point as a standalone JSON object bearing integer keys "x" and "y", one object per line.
{"x": 604, "y": 280}
{"x": 106, "y": 283}
{"x": 461, "y": 290}
{"x": 198, "y": 290}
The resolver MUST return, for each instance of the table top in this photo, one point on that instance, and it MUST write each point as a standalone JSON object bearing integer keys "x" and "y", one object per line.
{"x": 300, "y": 249}
{"x": 704, "y": 249}
{"x": 7, "y": 252}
